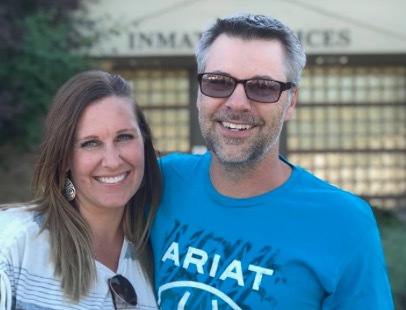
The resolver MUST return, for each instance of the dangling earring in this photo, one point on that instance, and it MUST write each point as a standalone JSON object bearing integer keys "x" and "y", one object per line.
{"x": 69, "y": 190}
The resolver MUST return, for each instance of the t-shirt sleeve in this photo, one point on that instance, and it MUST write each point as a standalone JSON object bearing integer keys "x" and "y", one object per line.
{"x": 8, "y": 250}
{"x": 5, "y": 291}
{"x": 363, "y": 281}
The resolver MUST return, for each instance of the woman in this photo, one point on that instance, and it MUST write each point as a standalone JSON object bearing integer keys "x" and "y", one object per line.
{"x": 82, "y": 243}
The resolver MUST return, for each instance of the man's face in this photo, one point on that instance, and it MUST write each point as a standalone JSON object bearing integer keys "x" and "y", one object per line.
{"x": 237, "y": 129}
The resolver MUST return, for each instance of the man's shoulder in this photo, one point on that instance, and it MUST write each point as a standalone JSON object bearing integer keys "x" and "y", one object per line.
{"x": 331, "y": 198}
{"x": 310, "y": 181}
{"x": 183, "y": 161}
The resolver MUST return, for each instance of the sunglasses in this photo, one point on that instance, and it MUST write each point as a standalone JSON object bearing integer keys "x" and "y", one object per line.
{"x": 123, "y": 289}
{"x": 218, "y": 85}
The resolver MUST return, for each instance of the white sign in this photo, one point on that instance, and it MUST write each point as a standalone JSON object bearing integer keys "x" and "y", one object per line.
{"x": 169, "y": 28}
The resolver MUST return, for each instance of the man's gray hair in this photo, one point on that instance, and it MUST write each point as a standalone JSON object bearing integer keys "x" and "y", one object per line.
{"x": 249, "y": 27}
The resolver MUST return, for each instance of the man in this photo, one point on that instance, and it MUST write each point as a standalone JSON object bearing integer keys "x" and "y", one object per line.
{"x": 242, "y": 228}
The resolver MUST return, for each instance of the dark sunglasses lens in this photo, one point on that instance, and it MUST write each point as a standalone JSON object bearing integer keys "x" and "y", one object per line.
{"x": 123, "y": 289}
{"x": 216, "y": 85}
{"x": 263, "y": 90}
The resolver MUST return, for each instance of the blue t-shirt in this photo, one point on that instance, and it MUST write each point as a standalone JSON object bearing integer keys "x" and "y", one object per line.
{"x": 303, "y": 245}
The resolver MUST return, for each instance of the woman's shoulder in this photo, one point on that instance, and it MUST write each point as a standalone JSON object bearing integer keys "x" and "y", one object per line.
{"x": 18, "y": 222}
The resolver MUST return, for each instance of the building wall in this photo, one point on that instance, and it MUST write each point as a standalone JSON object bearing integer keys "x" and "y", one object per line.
{"x": 350, "y": 124}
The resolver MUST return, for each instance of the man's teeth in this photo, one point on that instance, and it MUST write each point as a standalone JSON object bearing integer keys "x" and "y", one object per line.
{"x": 236, "y": 126}
{"x": 112, "y": 180}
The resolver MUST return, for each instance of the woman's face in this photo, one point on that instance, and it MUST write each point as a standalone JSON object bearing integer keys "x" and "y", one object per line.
{"x": 107, "y": 165}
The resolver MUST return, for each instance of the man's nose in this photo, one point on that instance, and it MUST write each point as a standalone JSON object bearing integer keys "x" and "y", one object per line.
{"x": 238, "y": 100}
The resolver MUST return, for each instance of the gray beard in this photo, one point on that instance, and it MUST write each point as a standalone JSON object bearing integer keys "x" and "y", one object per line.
{"x": 249, "y": 160}
{"x": 242, "y": 166}
{"x": 245, "y": 163}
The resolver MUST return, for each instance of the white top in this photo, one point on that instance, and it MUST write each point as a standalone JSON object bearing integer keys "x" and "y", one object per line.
{"x": 26, "y": 270}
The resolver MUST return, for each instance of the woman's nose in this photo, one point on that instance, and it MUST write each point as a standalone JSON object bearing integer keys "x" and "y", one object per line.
{"x": 111, "y": 157}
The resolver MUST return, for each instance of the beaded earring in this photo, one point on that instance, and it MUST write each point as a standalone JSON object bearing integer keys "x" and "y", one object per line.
{"x": 69, "y": 190}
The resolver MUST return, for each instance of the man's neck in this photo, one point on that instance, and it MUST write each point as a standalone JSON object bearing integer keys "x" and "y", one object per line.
{"x": 251, "y": 179}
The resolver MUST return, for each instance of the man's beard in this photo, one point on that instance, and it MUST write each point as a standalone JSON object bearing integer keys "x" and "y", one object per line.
{"x": 251, "y": 151}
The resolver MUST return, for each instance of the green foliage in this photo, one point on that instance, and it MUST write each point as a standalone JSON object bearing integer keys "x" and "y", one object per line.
{"x": 393, "y": 235}
{"x": 35, "y": 63}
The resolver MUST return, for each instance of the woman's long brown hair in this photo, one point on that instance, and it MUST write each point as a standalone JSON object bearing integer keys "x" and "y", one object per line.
{"x": 71, "y": 239}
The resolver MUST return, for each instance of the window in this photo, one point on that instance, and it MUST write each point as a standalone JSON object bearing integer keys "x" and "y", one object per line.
{"x": 350, "y": 129}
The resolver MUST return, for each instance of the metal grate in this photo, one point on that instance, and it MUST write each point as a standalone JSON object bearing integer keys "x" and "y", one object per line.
{"x": 350, "y": 129}
{"x": 164, "y": 96}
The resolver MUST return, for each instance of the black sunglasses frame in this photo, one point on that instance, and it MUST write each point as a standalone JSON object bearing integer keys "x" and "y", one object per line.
{"x": 283, "y": 86}
{"x": 126, "y": 292}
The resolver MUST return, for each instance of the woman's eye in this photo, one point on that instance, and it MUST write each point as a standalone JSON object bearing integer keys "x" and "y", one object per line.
{"x": 89, "y": 144}
{"x": 125, "y": 137}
